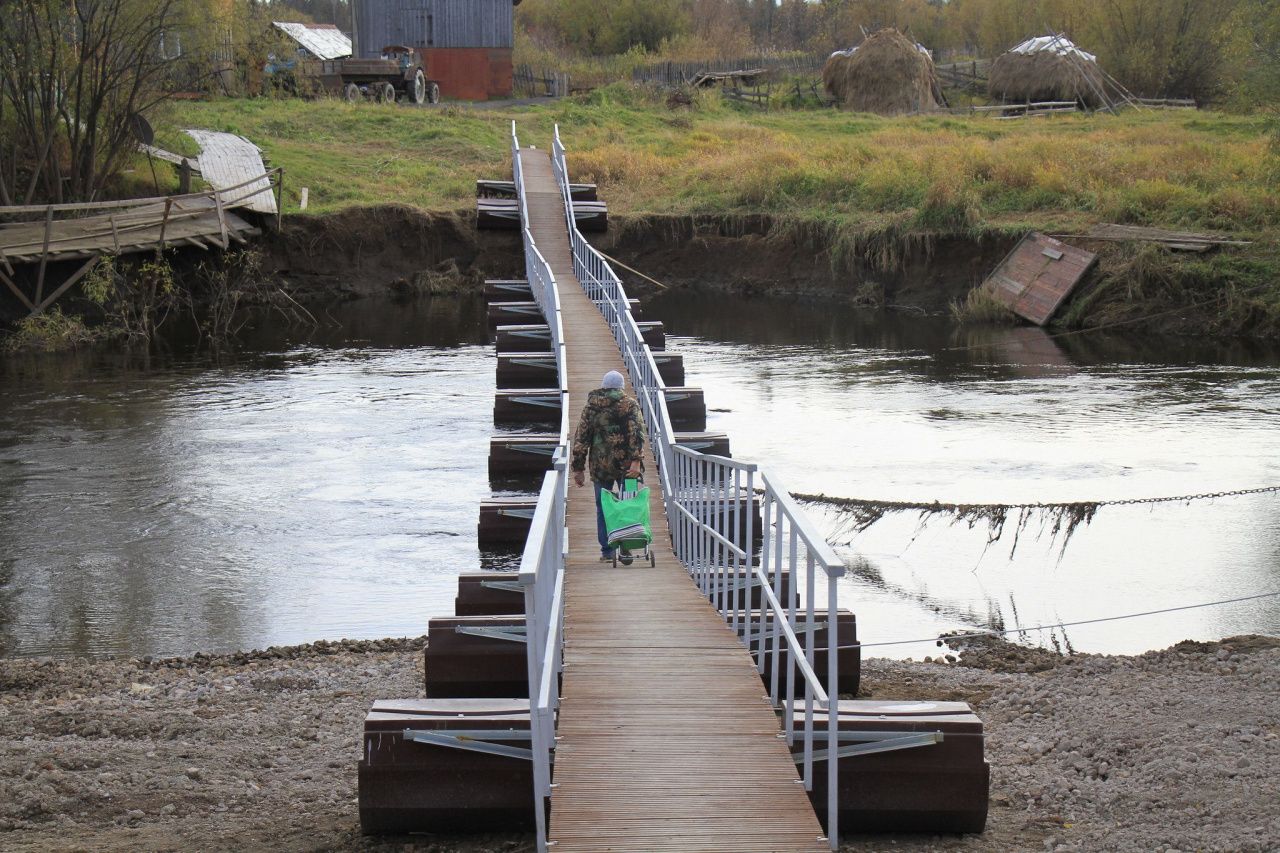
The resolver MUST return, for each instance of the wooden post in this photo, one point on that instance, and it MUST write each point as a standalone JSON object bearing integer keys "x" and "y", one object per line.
{"x": 79, "y": 274}
{"x": 222, "y": 218}
{"x": 44, "y": 252}
{"x": 184, "y": 177}
{"x": 22, "y": 297}
{"x": 168, "y": 202}
{"x": 115, "y": 234}
{"x": 279, "y": 199}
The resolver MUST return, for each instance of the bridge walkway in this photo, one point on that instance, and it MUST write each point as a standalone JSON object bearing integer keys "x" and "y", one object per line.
{"x": 666, "y": 736}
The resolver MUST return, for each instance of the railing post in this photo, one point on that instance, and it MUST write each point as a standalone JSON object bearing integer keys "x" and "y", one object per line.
{"x": 810, "y": 637}
{"x": 833, "y": 717}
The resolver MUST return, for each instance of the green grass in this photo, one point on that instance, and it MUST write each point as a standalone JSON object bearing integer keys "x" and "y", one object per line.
{"x": 940, "y": 173}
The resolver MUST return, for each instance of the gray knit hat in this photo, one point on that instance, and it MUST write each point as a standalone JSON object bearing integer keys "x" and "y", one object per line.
{"x": 612, "y": 379}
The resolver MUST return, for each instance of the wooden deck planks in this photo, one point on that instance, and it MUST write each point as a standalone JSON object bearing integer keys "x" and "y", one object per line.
{"x": 121, "y": 231}
{"x": 667, "y": 738}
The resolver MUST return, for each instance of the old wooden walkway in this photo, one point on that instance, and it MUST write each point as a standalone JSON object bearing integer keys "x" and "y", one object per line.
{"x": 666, "y": 737}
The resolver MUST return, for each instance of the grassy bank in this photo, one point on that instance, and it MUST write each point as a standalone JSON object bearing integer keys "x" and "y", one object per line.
{"x": 843, "y": 181}
{"x": 1180, "y": 169}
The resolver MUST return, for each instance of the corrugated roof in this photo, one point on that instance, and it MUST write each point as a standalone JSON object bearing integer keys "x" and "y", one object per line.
{"x": 1053, "y": 44}
{"x": 324, "y": 41}
{"x": 850, "y": 51}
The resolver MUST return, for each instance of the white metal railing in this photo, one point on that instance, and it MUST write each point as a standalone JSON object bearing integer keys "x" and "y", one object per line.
{"x": 710, "y": 513}
{"x": 542, "y": 562}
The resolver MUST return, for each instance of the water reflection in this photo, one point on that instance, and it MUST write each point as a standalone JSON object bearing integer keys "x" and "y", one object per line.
{"x": 887, "y": 406}
{"x": 283, "y": 491}
{"x": 325, "y": 482}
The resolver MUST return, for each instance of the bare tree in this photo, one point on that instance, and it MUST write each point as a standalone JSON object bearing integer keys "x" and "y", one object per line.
{"x": 73, "y": 74}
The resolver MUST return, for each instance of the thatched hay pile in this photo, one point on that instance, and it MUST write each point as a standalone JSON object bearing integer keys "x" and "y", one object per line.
{"x": 888, "y": 74}
{"x": 1047, "y": 75}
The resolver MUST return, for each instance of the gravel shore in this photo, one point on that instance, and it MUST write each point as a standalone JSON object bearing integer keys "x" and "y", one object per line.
{"x": 1170, "y": 750}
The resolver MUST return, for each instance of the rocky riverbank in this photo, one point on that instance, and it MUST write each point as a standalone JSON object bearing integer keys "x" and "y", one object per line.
{"x": 1170, "y": 750}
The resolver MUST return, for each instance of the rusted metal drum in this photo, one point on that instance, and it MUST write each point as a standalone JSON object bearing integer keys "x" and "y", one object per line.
{"x": 504, "y": 521}
{"x": 465, "y": 664}
{"x": 507, "y": 290}
{"x": 654, "y": 335}
{"x": 848, "y": 654}
{"x": 512, "y": 454}
{"x": 532, "y": 336}
{"x": 526, "y": 405}
{"x": 488, "y": 594}
{"x": 494, "y": 593}
{"x": 687, "y": 408}
{"x": 735, "y": 596}
{"x": 504, "y": 214}
{"x": 670, "y": 367}
{"x": 521, "y": 311}
{"x": 527, "y": 369}
{"x": 939, "y": 788}
{"x": 406, "y": 786}
{"x": 507, "y": 189}
{"x": 522, "y": 337}
{"x": 515, "y": 454}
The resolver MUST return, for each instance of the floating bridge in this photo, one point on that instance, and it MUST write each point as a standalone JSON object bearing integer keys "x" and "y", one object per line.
{"x": 663, "y": 735}
{"x": 691, "y": 705}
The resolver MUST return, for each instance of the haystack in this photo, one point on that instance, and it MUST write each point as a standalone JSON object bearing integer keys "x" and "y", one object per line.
{"x": 1049, "y": 68}
{"x": 887, "y": 74}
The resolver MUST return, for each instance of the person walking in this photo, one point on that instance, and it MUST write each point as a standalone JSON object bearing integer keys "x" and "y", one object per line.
{"x": 611, "y": 430}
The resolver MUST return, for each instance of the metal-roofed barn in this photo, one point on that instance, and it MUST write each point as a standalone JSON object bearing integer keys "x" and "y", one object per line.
{"x": 465, "y": 45}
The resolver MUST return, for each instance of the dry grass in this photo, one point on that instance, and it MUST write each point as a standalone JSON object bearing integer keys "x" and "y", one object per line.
{"x": 831, "y": 170}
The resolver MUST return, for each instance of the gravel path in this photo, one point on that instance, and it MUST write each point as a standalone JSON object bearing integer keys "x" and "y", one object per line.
{"x": 1171, "y": 750}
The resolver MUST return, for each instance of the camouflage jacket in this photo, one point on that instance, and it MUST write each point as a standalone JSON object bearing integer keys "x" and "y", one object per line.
{"x": 612, "y": 429}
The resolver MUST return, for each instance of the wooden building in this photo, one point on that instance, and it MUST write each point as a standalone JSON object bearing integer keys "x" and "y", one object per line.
{"x": 465, "y": 44}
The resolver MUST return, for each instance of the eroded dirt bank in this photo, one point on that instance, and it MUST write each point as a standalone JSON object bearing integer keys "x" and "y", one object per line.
{"x": 391, "y": 248}
{"x": 1171, "y": 750}
{"x": 371, "y": 250}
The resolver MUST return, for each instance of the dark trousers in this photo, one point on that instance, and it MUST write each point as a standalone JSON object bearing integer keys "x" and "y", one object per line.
{"x": 601, "y": 533}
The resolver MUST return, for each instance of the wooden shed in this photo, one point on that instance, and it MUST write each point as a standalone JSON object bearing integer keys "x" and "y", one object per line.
{"x": 465, "y": 44}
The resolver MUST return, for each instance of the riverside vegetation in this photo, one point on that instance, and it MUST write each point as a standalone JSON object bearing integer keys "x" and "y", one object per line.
{"x": 859, "y": 188}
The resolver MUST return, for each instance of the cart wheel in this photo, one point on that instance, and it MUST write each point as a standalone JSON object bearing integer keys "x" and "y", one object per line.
{"x": 433, "y": 93}
{"x": 386, "y": 93}
{"x": 615, "y": 558}
{"x": 652, "y": 561}
{"x": 351, "y": 93}
{"x": 418, "y": 89}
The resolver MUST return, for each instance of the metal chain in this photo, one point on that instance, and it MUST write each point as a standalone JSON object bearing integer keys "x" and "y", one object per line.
{"x": 1187, "y": 498}
{"x": 939, "y": 505}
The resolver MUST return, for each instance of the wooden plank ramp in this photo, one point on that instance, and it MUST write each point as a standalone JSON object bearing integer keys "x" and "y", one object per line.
{"x": 667, "y": 739}
{"x": 227, "y": 160}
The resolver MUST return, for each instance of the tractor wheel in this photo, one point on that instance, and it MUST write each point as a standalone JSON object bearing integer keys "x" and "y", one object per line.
{"x": 418, "y": 89}
{"x": 433, "y": 93}
{"x": 386, "y": 93}
{"x": 351, "y": 93}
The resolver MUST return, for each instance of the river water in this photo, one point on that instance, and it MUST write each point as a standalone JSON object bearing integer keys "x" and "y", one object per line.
{"x": 325, "y": 483}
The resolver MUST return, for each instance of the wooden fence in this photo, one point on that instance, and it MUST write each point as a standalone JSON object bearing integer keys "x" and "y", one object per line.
{"x": 541, "y": 83}
{"x": 681, "y": 73}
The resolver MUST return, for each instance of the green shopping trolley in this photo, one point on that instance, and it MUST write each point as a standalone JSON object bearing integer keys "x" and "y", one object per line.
{"x": 626, "y": 520}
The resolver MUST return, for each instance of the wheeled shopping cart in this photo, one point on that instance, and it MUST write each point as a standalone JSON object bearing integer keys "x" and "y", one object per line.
{"x": 626, "y": 519}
